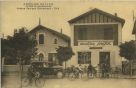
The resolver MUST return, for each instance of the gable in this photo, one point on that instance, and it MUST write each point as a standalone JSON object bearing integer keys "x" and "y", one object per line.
{"x": 42, "y": 28}
{"x": 96, "y": 16}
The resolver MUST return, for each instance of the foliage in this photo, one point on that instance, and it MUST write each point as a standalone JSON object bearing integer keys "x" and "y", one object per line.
{"x": 128, "y": 50}
{"x": 19, "y": 46}
{"x": 64, "y": 53}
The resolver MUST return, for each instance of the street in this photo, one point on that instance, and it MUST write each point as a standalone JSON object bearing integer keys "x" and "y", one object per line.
{"x": 14, "y": 82}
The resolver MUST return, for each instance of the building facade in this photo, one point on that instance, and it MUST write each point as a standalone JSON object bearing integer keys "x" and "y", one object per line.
{"x": 47, "y": 42}
{"x": 95, "y": 37}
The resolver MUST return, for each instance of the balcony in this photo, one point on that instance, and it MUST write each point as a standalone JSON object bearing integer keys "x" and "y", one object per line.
{"x": 95, "y": 43}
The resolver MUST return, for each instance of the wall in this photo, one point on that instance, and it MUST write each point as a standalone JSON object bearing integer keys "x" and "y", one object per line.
{"x": 49, "y": 46}
{"x": 14, "y": 68}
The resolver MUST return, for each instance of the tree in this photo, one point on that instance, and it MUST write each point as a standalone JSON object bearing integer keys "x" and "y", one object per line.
{"x": 64, "y": 54}
{"x": 8, "y": 52}
{"x": 19, "y": 47}
{"x": 128, "y": 51}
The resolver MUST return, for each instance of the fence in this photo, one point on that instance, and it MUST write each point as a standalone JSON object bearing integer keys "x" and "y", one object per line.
{"x": 13, "y": 68}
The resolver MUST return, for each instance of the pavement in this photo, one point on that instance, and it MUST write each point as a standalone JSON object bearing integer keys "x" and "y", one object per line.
{"x": 13, "y": 81}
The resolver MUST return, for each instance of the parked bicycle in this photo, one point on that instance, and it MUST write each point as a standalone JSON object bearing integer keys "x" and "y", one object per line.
{"x": 76, "y": 73}
{"x": 33, "y": 75}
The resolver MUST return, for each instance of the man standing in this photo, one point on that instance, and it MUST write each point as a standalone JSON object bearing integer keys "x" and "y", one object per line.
{"x": 90, "y": 72}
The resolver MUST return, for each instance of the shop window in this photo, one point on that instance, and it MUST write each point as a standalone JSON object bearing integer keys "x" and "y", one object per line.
{"x": 84, "y": 57}
{"x": 41, "y": 38}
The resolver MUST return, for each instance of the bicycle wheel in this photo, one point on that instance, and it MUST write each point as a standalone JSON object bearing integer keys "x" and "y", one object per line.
{"x": 37, "y": 74}
{"x": 71, "y": 76}
{"x": 25, "y": 81}
{"x": 90, "y": 75}
{"x": 40, "y": 82}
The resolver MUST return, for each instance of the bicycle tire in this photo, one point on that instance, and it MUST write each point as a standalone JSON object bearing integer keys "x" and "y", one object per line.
{"x": 25, "y": 81}
{"x": 71, "y": 76}
{"x": 90, "y": 76}
{"x": 39, "y": 82}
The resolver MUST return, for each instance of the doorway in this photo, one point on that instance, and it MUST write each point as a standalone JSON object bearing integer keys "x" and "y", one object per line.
{"x": 104, "y": 57}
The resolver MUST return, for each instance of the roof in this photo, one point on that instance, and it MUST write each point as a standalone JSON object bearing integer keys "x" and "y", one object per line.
{"x": 134, "y": 28}
{"x": 63, "y": 36}
{"x": 100, "y": 11}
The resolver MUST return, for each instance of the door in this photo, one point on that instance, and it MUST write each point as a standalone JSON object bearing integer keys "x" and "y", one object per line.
{"x": 52, "y": 57}
{"x": 104, "y": 58}
{"x": 41, "y": 57}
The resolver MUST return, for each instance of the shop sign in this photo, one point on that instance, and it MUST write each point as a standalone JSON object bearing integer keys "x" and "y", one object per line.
{"x": 96, "y": 42}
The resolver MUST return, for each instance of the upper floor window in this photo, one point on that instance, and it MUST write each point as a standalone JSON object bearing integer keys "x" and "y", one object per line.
{"x": 41, "y": 38}
{"x": 55, "y": 41}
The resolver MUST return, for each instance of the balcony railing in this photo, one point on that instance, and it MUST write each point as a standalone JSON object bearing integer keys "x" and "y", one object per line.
{"x": 95, "y": 42}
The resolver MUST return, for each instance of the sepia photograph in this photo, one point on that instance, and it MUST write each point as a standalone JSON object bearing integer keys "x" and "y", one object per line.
{"x": 68, "y": 43}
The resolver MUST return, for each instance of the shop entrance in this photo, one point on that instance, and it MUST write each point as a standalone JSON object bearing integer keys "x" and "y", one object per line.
{"x": 104, "y": 58}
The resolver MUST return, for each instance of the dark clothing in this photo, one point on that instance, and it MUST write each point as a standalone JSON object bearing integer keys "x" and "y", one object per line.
{"x": 105, "y": 70}
{"x": 90, "y": 68}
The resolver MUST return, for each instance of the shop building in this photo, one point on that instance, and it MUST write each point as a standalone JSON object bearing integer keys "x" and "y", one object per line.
{"x": 95, "y": 37}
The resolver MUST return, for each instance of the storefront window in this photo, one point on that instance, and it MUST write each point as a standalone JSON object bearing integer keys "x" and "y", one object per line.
{"x": 84, "y": 57}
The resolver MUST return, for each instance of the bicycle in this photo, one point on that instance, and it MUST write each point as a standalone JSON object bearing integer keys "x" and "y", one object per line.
{"x": 37, "y": 78}
{"x": 73, "y": 74}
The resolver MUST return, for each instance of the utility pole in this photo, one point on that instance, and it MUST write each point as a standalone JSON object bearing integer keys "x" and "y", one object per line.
{"x": 131, "y": 61}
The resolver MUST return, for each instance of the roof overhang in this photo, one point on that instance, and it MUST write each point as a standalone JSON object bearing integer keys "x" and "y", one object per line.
{"x": 122, "y": 21}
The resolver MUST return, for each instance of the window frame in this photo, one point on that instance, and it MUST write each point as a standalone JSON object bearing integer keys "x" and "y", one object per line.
{"x": 87, "y": 58}
{"x": 55, "y": 41}
{"x": 39, "y": 38}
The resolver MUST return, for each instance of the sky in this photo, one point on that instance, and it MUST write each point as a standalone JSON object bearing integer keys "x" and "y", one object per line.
{"x": 12, "y": 17}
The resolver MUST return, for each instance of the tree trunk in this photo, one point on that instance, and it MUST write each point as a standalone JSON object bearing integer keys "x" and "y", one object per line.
{"x": 20, "y": 73}
{"x": 131, "y": 73}
{"x": 3, "y": 59}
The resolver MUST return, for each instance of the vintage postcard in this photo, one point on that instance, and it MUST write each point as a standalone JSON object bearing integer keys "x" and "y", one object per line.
{"x": 68, "y": 44}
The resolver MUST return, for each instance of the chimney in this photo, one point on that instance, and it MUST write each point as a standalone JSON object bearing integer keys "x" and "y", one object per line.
{"x": 115, "y": 14}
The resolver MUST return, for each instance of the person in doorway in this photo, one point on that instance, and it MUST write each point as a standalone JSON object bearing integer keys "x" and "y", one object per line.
{"x": 107, "y": 70}
{"x": 90, "y": 70}
{"x": 103, "y": 66}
